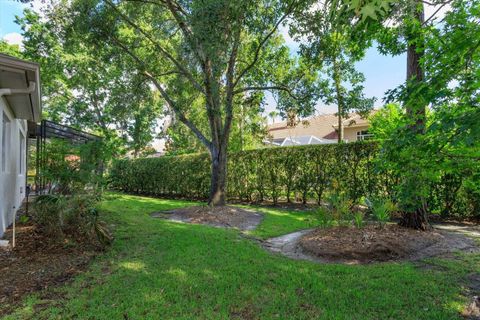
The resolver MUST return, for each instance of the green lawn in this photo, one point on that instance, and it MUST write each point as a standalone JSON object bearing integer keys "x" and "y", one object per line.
{"x": 158, "y": 269}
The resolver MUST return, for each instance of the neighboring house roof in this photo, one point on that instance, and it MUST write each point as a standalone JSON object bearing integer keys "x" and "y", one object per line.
{"x": 320, "y": 126}
{"x": 20, "y": 86}
{"x": 299, "y": 141}
{"x": 354, "y": 121}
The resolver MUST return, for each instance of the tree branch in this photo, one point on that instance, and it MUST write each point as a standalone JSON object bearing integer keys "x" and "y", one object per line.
{"x": 181, "y": 116}
{"x": 265, "y": 88}
{"x": 183, "y": 70}
{"x": 263, "y": 41}
{"x": 187, "y": 32}
{"x": 230, "y": 85}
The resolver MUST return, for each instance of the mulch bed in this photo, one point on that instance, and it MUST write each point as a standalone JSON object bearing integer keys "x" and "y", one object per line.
{"x": 375, "y": 244}
{"x": 36, "y": 263}
{"x": 224, "y": 216}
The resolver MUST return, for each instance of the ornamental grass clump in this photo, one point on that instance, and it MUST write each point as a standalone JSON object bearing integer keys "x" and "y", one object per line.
{"x": 71, "y": 217}
{"x": 381, "y": 209}
{"x": 359, "y": 219}
{"x": 325, "y": 218}
{"x": 340, "y": 207}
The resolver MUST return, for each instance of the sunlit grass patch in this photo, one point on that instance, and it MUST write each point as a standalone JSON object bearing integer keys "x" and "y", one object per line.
{"x": 158, "y": 269}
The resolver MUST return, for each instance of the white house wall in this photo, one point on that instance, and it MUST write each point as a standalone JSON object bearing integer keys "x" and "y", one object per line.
{"x": 12, "y": 179}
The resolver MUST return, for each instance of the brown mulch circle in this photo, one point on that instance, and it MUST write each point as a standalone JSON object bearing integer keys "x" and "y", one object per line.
{"x": 36, "y": 264}
{"x": 223, "y": 216}
{"x": 375, "y": 244}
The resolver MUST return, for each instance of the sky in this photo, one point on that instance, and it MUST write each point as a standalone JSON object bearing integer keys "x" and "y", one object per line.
{"x": 381, "y": 72}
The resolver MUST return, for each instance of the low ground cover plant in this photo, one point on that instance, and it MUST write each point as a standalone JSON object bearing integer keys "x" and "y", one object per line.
{"x": 341, "y": 211}
{"x": 74, "y": 217}
{"x": 75, "y": 185}
{"x": 381, "y": 209}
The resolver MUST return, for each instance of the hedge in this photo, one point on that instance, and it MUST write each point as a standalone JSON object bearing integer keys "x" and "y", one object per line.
{"x": 301, "y": 173}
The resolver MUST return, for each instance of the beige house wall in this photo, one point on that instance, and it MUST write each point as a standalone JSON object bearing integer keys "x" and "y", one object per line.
{"x": 350, "y": 134}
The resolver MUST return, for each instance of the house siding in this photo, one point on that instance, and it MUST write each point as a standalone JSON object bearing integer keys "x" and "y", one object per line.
{"x": 350, "y": 134}
{"x": 12, "y": 174}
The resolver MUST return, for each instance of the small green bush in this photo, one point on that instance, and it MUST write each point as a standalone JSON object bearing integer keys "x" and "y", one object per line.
{"x": 381, "y": 209}
{"x": 75, "y": 217}
{"x": 359, "y": 219}
{"x": 325, "y": 218}
{"x": 49, "y": 214}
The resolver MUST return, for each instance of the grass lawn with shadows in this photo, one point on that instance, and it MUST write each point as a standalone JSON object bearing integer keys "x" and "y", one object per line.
{"x": 158, "y": 269}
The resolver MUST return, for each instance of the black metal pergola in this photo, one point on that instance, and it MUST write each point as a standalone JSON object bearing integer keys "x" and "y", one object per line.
{"x": 51, "y": 130}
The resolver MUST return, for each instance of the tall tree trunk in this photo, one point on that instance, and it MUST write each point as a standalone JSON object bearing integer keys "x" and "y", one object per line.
{"x": 219, "y": 176}
{"x": 338, "y": 89}
{"x": 416, "y": 112}
{"x": 340, "y": 125}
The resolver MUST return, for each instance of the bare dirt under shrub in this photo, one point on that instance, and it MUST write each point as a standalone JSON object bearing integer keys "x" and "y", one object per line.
{"x": 375, "y": 244}
{"x": 35, "y": 264}
{"x": 224, "y": 216}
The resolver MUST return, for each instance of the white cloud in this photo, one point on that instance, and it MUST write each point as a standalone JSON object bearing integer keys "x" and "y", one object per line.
{"x": 14, "y": 38}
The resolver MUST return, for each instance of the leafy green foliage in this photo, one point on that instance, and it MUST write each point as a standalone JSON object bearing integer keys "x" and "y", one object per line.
{"x": 86, "y": 86}
{"x": 359, "y": 219}
{"x": 49, "y": 214}
{"x": 332, "y": 44}
{"x": 10, "y": 49}
{"x": 73, "y": 217}
{"x": 277, "y": 174}
{"x": 325, "y": 217}
{"x": 340, "y": 207}
{"x": 72, "y": 168}
{"x": 256, "y": 175}
{"x": 248, "y": 130}
{"x": 381, "y": 209}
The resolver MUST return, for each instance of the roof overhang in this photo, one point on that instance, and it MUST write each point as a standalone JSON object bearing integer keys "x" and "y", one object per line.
{"x": 20, "y": 86}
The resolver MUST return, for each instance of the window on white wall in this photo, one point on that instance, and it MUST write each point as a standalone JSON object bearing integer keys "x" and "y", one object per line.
{"x": 5, "y": 141}
{"x": 364, "y": 135}
{"x": 21, "y": 158}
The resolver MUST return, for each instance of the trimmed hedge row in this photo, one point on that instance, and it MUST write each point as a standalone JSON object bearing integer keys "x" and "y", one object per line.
{"x": 289, "y": 173}
{"x": 257, "y": 175}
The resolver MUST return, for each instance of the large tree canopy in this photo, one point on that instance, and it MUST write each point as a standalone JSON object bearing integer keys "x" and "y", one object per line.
{"x": 212, "y": 50}
{"x": 86, "y": 86}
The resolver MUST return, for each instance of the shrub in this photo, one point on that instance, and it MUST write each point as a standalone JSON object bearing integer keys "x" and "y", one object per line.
{"x": 325, "y": 218}
{"x": 265, "y": 174}
{"x": 49, "y": 214}
{"x": 72, "y": 168}
{"x": 339, "y": 206}
{"x": 381, "y": 209}
{"x": 276, "y": 174}
{"x": 76, "y": 217}
{"x": 358, "y": 219}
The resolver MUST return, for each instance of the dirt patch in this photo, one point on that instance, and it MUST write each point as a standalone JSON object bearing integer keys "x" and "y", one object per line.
{"x": 374, "y": 244}
{"x": 369, "y": 244}
{"x": 225, "y": 216}
{"x": 472, "y": 311}
{"x": 36, "y": 264}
